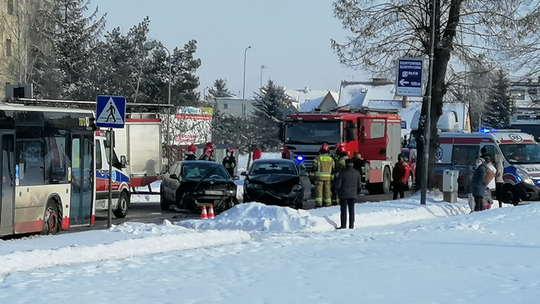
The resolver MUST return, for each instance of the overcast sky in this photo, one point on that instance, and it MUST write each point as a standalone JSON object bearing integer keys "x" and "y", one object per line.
{"x": 291, "y": 38}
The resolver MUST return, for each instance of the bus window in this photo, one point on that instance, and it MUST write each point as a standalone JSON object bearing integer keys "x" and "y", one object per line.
{"x": 30, "y": 156}
{"x": 56, "y": 160}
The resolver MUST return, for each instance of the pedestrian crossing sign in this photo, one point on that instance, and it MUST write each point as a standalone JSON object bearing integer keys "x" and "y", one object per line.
{"x": 110, "y": 111}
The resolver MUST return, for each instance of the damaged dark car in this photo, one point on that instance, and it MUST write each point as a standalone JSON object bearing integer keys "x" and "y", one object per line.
{"x": 279, "y": 182}
{"x": 193, "y": 184}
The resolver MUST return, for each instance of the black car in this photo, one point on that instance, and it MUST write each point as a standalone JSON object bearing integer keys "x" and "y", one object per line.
{"x": 279, "y": 182}
{"x": 194, "y": 184}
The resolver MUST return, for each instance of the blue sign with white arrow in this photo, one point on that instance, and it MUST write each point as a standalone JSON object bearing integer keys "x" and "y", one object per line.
{"x": 410, "y": 77}
{"x": 110, "y": 111}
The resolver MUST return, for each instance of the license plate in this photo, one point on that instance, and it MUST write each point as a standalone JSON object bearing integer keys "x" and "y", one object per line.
{"x": 213, "y": 192}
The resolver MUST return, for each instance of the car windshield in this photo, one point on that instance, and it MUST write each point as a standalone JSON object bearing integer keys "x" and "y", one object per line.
{"x": 199, "y": 170}
{"x": 312, "y": 132}
{"x": 274, "y": 168}
{"x": 521, "y": 153}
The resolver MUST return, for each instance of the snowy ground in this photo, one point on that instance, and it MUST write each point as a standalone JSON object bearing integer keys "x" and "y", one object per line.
{"x": 400, "y": 252}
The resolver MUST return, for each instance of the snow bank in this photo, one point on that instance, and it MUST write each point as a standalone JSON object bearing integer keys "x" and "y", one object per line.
{"x": 257, "y": 217}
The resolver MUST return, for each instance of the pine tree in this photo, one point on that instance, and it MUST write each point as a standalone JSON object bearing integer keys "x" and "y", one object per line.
{"x": 269, "y": 108}
{"x": 219, "y": 89}
{"x": 498, "y": 108}
{"x": 62, "y": 70}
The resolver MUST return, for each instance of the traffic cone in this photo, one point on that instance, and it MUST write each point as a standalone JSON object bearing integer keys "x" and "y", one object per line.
{"x": 203, "y": 213}
{"x": 211, "y": 212}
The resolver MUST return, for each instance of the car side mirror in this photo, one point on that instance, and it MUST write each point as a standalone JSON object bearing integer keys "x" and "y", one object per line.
{"x": 243, "y": 173}
{"x": 173, "y": 176}
{"x": 123, "y": 161}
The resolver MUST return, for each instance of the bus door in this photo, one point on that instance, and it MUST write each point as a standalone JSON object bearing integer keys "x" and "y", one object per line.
{"x": 7, "y": 181}
{"x": 82, "y": 178}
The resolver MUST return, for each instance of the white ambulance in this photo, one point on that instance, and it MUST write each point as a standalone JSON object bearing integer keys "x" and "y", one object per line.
{"x": 519, "y": 152}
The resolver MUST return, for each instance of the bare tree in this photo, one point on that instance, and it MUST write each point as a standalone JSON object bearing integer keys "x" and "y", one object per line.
{"x": 386, "y": 31}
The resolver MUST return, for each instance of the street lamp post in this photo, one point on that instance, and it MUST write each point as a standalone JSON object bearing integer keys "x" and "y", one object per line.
{"x": 262, "y": 68}
{"x": 244, "y": 84}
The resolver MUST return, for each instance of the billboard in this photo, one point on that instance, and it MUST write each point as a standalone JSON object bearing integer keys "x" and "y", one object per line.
{"x": 189, "y": 125}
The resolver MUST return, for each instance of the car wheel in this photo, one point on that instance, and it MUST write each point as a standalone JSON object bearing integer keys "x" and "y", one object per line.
{"x": 123, "y": 205}
{"x": 51, "y": 219}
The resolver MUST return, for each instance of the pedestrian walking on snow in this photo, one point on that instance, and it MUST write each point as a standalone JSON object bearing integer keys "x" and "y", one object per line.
{"x": 348, "y": 184}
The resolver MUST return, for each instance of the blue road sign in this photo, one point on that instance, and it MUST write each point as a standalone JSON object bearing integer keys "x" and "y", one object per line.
{"x": 110, "y": 111}
{"x": 410, "y": 77}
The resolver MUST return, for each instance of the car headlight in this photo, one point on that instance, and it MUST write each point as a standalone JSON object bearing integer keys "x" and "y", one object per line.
{"x": 254, "y": 186}
{"x": 525, "y": 177}
{"x": 230, "y": 192}
{"x": 297, "y": 188}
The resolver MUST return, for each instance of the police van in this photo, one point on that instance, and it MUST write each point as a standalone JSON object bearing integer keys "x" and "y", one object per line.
{"x": 518, "y": 151}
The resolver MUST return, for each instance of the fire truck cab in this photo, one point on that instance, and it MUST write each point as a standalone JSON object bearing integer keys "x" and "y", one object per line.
{"x": 519, "y": 153}
{"x": 375, "y": 135}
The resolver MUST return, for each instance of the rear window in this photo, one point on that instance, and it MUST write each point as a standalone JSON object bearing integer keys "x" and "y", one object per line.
{"x": 273, "y": 168}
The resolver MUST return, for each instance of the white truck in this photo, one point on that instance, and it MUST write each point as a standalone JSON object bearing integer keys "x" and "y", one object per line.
{"x": 140, "y": 142}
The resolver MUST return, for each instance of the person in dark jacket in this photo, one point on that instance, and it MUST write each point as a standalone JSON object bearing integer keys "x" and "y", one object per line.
{"x": 190, "y": 155}
{"x": 229, "y": 161}
{"x": 478, "y": 187}
{"x": 208, "y": 153}
{"x": 348, "y": 182}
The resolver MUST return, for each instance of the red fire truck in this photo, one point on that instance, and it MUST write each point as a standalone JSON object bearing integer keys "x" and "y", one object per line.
{"x": 375, "y": 134}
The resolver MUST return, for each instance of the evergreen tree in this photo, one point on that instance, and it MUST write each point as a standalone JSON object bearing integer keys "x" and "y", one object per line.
{"x": 219, "y": 89}
{"x": 499, "y": 106}
{"x": 269, "y": 108}
{"x": 61, "y": 73}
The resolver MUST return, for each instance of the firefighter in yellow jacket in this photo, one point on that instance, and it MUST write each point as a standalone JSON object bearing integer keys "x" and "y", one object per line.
{"x": 323, "y": 166}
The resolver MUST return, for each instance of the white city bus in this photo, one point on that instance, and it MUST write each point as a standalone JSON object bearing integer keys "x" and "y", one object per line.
{"x": 47, "y": 181}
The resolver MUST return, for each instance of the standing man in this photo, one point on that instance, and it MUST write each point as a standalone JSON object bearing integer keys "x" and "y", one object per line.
{"x": 340, "y": 157}
{"x": 191, "y": 150}
{"x": 478, "y": 187}
{"x": 323, "y": 165}
{"x": 208, "y": 152}
{"x": 359, "y": 163}
{"x": 229, "y": 161}
{"x": 499, "y": 180}
{"x": 400, "y": 175}
{"x": 348, "y": 183}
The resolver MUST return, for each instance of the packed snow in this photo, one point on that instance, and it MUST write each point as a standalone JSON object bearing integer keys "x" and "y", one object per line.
{"x": 399, "y": 252}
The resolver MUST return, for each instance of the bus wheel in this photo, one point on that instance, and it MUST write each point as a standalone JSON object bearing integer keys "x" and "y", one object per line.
{"x": 123, "y": 205}
{"x": 50, "y": 219}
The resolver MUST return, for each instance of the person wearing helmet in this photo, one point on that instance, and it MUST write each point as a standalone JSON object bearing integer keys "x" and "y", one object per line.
{"x": 229, "y": 161}
{"x": 323, "y": 166}
{"x": 190, "y": 154}
{"x": 208, "y": 152}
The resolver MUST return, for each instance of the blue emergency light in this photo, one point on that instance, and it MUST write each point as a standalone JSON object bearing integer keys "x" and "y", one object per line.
{"x": 299, "y": 158}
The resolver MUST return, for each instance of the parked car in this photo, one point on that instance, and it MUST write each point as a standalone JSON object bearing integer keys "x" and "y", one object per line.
{"x": 194, "y": 184}
{"x": 410, "y": 156}
{"x": 279, "y": 182}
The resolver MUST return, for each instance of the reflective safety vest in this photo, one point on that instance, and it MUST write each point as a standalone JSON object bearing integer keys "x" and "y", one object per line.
{"x": 323, "y": 166}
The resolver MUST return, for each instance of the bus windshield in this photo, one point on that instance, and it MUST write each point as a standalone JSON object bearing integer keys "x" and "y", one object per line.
{"x": 521, "y": 153}
{"x": 313, "y": 132}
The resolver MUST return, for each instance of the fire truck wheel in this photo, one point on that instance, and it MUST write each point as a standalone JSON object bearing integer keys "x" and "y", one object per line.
{"x": 123, "y": 205}
{"x": 51, "y": 219}
{"x": 386, "y": 180}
